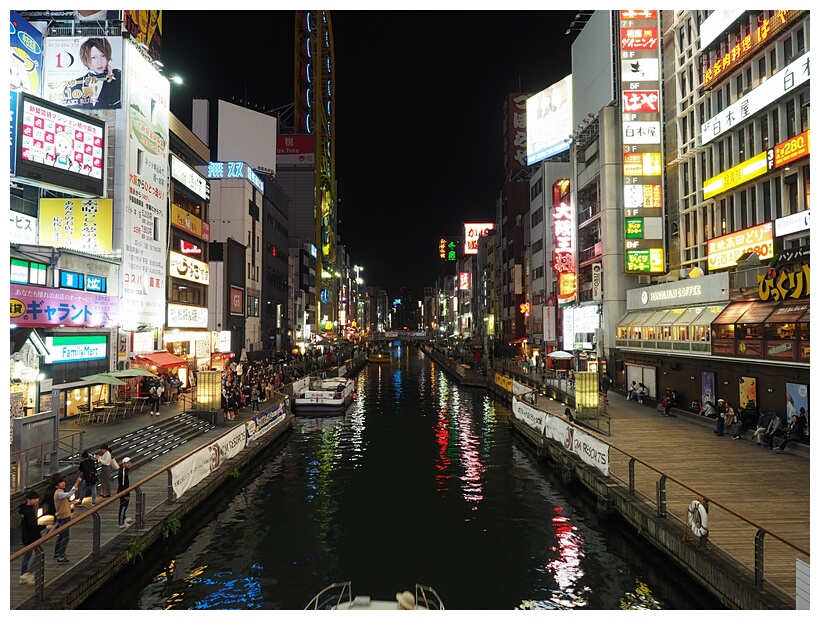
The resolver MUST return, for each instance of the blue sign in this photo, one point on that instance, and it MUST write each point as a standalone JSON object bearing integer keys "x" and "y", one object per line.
{"x": 95, "y": 284}
{"x": 234, "y": 170}
{"x": 26, "y": 58}
{"x": 13, "y": 133}
{"x": 69, "y": 279}
{"x": 324, "y": 296}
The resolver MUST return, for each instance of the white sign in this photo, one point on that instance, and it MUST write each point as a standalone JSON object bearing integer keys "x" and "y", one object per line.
{"x": 143, "y": 196}
{"x": 639, "y": 70}
{"x": 189, "y": 268}
{"x": 203, "y": 462}
{"x": 549, "y": 324}
{"x": 642, "y": 132}
{"x": 796, "y": 222}
{"x": 187, "y": 316}
{"x": 589, "y": 449}
{"x": 597, "y": 282}
{"x": 221, "y": 341}
{"x": 793, "y": 75}
{"x": 22, "y": 228}
{"x": 190, "y": 178}
{"x": 142, "y": 342}
{"x": 84, "y": 349}
{"x": 549, "y": 121}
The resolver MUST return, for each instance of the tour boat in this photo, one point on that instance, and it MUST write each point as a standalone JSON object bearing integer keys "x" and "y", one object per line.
{"x": 380, "y": 357}
{"x": 325, "y": 397}
{"x": 340, "y": 596}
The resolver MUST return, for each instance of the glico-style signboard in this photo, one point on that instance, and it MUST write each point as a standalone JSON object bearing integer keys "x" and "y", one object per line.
{"x": 642, "y": 132}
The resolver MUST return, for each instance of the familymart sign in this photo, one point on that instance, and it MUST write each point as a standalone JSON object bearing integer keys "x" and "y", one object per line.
{"x": 76, "y": 348}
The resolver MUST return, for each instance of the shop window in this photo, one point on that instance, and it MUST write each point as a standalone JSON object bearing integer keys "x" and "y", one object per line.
{"x": 803, "y": 331}
{"x": 780, "y": 331}
{"x": 665, "y": 332}
{"x": 682, "y": 333}
{"x": 723, "y": 331}
{"x": 636, "y": 334}
{"x": 749, "y": 331}
{"x": 622, "y": 332}
{"x": 700, "y": 333}
{"x": 649, "y": 333}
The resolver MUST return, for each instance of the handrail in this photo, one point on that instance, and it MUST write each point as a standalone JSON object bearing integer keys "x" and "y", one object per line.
{"x": 61, "y": 438}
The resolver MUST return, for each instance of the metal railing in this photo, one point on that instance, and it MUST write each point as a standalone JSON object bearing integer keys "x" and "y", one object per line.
{"x": 764, "y": 556}
{"x": 87, "y": 532}
{"x": 33, "y": 465}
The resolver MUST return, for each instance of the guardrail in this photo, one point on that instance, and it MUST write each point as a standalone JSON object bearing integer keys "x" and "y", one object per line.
{"x": 764, "y": 556}
{"x": 91, "y": 528}
{"x": 34, "y": 464}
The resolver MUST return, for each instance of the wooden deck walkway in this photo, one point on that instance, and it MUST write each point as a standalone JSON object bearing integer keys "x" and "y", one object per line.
{"x": 769, "y": 489}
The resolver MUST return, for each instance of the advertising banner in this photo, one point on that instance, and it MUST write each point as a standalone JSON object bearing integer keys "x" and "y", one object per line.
{"x": 295, "y": 149}
{"x": 145, "y": 195}
{"x": 187, "y": 268}
{"x": 83, "y": 72}
{"x": 23, "y": 228}
{"x": 262, "y": 423}
{"x": 26, "y": 57}
{"x": 82, "y": 224}
{"x": 724, "y": 251}
{"x": 515, "y": 132}
{"x": 145, "y": 27}
{"x": 534, "y": 418}
{"x": 471, "y": 234}
{"x": 35, "y": 306}
{"x": 202, "y": 463}
{"x": 549, "y": 121}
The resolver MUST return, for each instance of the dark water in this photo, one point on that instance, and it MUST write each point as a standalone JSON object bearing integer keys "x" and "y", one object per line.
{"x": 420, "y": 481}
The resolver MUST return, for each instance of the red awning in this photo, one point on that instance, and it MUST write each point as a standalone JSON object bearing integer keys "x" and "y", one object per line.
{"x": 518, "y": 340}
{"x": 161, "y": 359}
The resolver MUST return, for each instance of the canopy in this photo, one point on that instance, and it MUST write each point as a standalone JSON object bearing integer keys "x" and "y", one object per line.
{"x": 560, "y": 355}
{"x": 132, "y": 372}
{"x": 103, "y": 377}
{"x": 161, "y": 359}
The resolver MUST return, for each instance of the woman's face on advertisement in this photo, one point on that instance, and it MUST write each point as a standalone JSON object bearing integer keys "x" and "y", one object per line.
{"x": 99, "y": 62}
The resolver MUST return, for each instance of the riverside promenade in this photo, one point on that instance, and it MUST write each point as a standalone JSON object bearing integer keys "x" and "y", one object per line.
{"x": 758, "y": 500}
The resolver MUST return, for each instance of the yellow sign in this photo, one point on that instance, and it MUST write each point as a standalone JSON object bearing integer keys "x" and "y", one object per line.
{"x": 724, "y": 251}
{"x": 81, "y": 224}
{"x": 737, "y": 175}
{"x": 503, "y": 382}
{"x": 181, "y": 218}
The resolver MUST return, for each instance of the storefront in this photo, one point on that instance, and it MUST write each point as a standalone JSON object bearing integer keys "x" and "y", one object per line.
{"x": 763, "y": 330}
{"x": 163, "y": 362}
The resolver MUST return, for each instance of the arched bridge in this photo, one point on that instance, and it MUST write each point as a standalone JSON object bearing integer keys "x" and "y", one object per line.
{"x": 403, "y": 335}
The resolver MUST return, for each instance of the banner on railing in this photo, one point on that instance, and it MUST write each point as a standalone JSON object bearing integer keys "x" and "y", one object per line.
{"x": 262, "y": 423}
{"x": 589, "y": 449}
{"x": 203, "y": 462}
{"x": 503, "y": 382}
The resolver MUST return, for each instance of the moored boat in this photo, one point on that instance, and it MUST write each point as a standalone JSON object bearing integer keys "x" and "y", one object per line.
{"x": 340, "y": 596}
{"x": 380, "y": 357}
{"x": 325, "y": 396}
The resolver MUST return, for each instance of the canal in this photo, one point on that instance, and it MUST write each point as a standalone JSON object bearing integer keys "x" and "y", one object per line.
{"x": 420, "y": 481}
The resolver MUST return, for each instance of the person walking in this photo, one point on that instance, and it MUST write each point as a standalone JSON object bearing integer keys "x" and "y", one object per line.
{"x": 31, "y": 531}
{"x": 255, "y": 393}
{"x": 153, "y": 397}
{"x": 606, "y": 382}
{"x": 62, "y": 503}
{"x": 88, "y": 471}
{"x": 104, "y": 461}
{"x": 668, "y": 401}
{"x": 123, "y": 483}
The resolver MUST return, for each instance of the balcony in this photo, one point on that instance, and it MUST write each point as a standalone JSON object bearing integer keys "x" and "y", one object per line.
{"x": 591, "y": 252}
{"x": 587, "y": 212}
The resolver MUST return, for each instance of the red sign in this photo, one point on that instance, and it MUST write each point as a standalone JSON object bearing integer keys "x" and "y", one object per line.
{"x": 641, "y": 101}
{"x": 791, "y": 149}
{"x": 237, "y": 301}
{"x": 186, "y": 247}
{"x": 639, "y": 14}
{"x": 639, "y": 38}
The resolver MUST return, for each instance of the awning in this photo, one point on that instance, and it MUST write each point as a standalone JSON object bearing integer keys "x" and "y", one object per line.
{"x": 708, "y": 315}
{"x": 518, "y": 341}
{"x": 634, "y": 318}
{"x": 732, "y": 313}
{"x": 789, "y": 311}
{"x": 656, "y": 317}
{"x": 161, "y": 359}
{"x": 757, "y": 313}
{"x": 671, "y": 317}
{"x": 805, "y": 318}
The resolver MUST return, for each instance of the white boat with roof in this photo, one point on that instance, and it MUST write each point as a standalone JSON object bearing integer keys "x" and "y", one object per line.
{"x": 340, "y": 596}
{"x": 325, "y": 396}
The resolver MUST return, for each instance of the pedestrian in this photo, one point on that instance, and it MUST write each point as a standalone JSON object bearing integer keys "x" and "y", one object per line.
{"x": 62, "y": 515}
{"x": 31, "y": 531}
{"x": 748, "y": 418}
{"x": 47, "y": 501}
{"x": 795, "y": 433}
{"x": 720, "y": 410}
{"x": 153, "y": 397}
{"x": 730, "y": 414}
{"x": 123, "y": 483}
{"x": 104, "y": 461}
{"x": 88, "y": 471}
{"x": 668, "y": 401}
{"x": 762, "y": 423}
{"x": 772, "y": 431}
{"x": 160, "y": 391}
{"x": 605, "y": 383}
{"x": 255, "y": 393}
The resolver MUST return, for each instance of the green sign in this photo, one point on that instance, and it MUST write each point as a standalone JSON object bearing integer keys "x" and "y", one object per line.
{"x": 634, "y": 228}
{"x": 637, "y": 261}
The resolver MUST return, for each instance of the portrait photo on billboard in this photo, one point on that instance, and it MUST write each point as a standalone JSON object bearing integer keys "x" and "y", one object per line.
{"x": 57, "y": 148}
{"x": 83, "y": 72}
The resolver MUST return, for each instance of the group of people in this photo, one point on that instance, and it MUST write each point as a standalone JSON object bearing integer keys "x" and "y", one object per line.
{"x": 637, "y": 392}
{"x": 767, "y": 425}
{"x": 59, "y": 501}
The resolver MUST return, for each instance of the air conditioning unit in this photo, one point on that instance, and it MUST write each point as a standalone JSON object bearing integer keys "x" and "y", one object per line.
{"x": 644, "y": 280}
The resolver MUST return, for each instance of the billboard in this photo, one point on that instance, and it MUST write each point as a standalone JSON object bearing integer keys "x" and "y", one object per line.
{"x": 144, "y": 190}
{"x": 724, "y": 251}
{"x": 515, "y": 131}
{"x": 145, "y": 27}
{"x": 549, "y": 121}
{"x": 295, "y": 150}
{"x": 37, "y": 306}
{"x": 471, "y": 234}
{"x": 83, "y": 72}
{"x": 26, "y": 56}
{"x": 563, "y": 226}
{"x": 464, "y": 280}
{"x": 57, "y": 148}
{"x": 642, "y": 135}
{"x": 81, "y": 224}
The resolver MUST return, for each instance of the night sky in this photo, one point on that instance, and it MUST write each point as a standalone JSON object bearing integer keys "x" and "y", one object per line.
{"x": 419, "y": 101}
